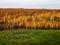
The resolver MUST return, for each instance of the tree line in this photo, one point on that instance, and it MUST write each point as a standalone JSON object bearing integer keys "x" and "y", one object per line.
{"x": 29, "y": 19}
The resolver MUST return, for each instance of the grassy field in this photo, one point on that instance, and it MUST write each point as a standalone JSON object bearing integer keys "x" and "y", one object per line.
{"x": 30, "y": 37}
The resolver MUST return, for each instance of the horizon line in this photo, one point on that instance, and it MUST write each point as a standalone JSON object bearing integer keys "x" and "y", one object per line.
{"x": 29, "y": 8}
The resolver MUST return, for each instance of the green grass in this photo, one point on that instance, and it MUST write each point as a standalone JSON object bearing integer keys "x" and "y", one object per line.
{"x": 30, "y": 37}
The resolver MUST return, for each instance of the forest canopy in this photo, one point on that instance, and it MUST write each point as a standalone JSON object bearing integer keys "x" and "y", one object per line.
{"x": 14, "y": 18}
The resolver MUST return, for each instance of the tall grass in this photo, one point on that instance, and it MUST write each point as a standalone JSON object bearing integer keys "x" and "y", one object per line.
{"x": 30, "y": 37}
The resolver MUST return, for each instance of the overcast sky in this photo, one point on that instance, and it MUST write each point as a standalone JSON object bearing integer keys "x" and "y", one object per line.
{"x": 30, "y": 4}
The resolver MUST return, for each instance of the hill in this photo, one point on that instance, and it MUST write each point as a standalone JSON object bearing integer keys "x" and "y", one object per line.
{"x": 29, "y": 18}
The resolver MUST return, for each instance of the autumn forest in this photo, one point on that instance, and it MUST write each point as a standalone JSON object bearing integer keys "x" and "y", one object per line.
{"x": 12, "y": 18}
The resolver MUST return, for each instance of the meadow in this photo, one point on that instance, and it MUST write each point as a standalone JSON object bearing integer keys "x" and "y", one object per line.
{"x": 30, "y": 37}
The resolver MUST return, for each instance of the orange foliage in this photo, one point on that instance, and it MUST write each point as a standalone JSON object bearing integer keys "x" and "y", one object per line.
{"x": 30, "y": 18}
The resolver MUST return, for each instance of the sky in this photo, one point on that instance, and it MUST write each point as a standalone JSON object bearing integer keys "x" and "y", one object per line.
{"x": 30, "y": 4}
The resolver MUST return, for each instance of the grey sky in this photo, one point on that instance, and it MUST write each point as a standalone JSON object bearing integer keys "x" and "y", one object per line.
{"x": 30, "y": 4}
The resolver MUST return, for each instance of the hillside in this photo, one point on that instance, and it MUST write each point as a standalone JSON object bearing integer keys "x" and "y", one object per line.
{"x": 29, "y": 18}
